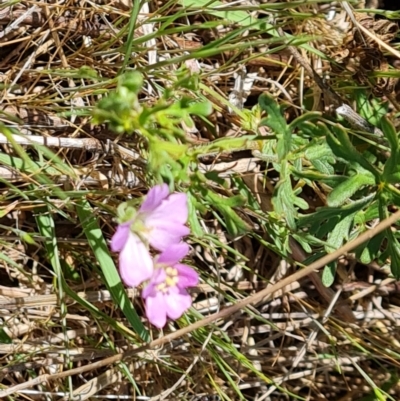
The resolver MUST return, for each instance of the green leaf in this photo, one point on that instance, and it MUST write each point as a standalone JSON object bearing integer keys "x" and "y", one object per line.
{"x": 371, "y": 109}
{"x": 345, "y": 190}
{"x": 235, "y": 201}
{"x": 304, "y": 242}
{"x": 323, "y": 213}
{"x": 309, "y": 129}
{"x": 391, "y": 169}
{"x": 343, "y": 148}
{"x": 234, "y": 224}
{"x": 228, "y": 144}
{"x": 282, "y": 201}
{"x": 46, "y": 225}
{"x": 214, "y": 176}
{"x": 284, "y": 198}
{"x": 394, "y": 252}
{"x": 313, "y": 257}
{"x": 305, "y": 119}
{"x": 321, "y": 157}
{"x": 211, "y": 7}
{"x": 32, "y": 168}
{"x": 340, "y": 233}
{"x": 370, "y": 213}
{"x": 325, "y": 219}
{"x": 324, "y": 166}
{"x": 328, "y": 274}
{"x": 368, "y": 252}
{"x": 4, "y": 337}
{"x": 277, "y": 123}
{"x": 200, "y": 108}
{"x": 331, "y": 180}
{"x": 390, "y": 133}
{"x": 99, "y": 246}
{"x": 319, "y": 150}
{"x": 195, "y": 225}
{"x": 131, "y": 80}
{"x": 394, "y": 249}
{"x": 393, "y": 178}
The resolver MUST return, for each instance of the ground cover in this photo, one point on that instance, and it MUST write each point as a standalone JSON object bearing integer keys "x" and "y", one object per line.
{"x": 278, "y": 120}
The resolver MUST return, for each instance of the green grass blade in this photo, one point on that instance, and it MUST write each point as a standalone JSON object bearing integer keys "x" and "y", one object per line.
{"x": 98, "y": 244}
{"x": 46, "y": 227}
{"x": 136, "y": 5}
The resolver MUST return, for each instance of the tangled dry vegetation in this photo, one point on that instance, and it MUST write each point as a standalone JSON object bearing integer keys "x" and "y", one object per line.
{"x": 60, "y": 341}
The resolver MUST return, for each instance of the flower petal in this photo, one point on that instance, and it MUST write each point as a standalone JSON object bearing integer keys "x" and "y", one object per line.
{"x": 156, "y": 310}
{"x": 177, "y": 303}
{"x": 173, "y": 209}
{"x": 154, "y": 198}
{"x": 165, "y": 234}
{"x": 135, "y": 262}
{"x": 158, "y": 277}
{"x": 165, "y": 224}
{"x": 187, "y": 277}
{"x": 173, "y": 254}
{"x": 120, "y": 236}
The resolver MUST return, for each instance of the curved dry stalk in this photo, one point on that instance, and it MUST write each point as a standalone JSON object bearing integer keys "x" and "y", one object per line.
{"x": 51, "y": 299}
{"x": 88, "y": 144}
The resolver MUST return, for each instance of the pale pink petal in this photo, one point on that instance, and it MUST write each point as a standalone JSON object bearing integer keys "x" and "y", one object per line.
{"x": 173, "y": 254}
{"x": 135, "y": 262}
{"x": 154, "y": 198}
{"x": 174, "y": 210}
{"x": 177, "y": 303}
{"x": 148, "y": 290}
{"x": 187, "y": 277}
{"x": 165, "y": 234}
{"x": 156, "y": 310}
{"x": 158, "y": 277}
{"x": 120, "y": 236}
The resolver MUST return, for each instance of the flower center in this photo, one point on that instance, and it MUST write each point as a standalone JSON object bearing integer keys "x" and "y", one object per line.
{"x": 170, "y": 281}
{"x": 138, "y": 225}
{"x": 140, "y": 228}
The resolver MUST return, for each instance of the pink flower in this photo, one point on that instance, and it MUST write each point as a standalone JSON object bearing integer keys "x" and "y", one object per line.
{"x": 166, "y": 295}
{"x": 160, "y": 222}
{"x": 162, "y": 217}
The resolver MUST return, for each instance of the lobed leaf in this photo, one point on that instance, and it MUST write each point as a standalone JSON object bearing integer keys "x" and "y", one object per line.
{"x": 346, "y": 189}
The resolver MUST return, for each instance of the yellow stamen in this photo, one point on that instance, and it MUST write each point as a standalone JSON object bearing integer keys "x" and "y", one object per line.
{"x": 162, "y": 287}
{"x": 171, "y": 281}
{"x": 171, "y": 271}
